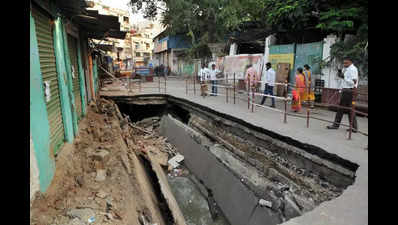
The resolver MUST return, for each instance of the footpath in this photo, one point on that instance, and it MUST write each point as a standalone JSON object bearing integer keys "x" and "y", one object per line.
{"x": 349, "y": 208}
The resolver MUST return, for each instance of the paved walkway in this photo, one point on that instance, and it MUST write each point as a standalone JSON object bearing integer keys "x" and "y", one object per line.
{"x": 352, "y": 206}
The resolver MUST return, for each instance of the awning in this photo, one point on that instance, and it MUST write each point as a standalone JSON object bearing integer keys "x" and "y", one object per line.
{"x": 96, "y": 25}
{"x": 99, "y": 26}
{"x": 105, "y": 47}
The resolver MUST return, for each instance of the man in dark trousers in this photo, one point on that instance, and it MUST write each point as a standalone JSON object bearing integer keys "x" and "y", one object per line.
{"x": 161, "y": 70}
{"x": 269, "y": 81}
{"x": 349, "y": 81}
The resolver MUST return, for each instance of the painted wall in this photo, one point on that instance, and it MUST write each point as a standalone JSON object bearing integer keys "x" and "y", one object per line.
{"x": 34, "y": 172}
{"x": 188, "y": 69}
{"x": 39, "y": 127}
{"x": 309, "y": 53}
{"x": 282, "y": 54}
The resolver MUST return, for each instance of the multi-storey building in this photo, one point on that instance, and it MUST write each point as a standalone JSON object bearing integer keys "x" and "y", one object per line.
{"x": 142, "y": 43}
{"x": 120, "y": 49}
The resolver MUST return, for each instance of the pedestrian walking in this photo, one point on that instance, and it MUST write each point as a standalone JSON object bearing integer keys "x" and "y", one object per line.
{"x": 213, "y": 77}
{"x": 166, "y": 71}
{"x": 309, "y": 93}
{"x": 269, "y": 79}
{"x": 299, "y": 90}
{"x": 349, "y": 81}
{"x": 156, "y": 70}
{"x": 161, "y": 70}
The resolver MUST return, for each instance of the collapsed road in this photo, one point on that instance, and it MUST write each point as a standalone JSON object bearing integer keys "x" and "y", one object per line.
{"x": 117, "y": 172}
{"x": 268, "y": 177}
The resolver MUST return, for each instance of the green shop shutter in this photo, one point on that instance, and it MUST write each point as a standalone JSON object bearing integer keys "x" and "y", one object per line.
{"x": 72, "y": 45}
{"x": 49, "y": 72}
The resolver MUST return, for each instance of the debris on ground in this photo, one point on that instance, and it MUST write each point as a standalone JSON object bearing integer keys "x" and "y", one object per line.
{"x": 266, "y": 203}
{"x": 98, "y": 179}
{"x": 174, "y": 162}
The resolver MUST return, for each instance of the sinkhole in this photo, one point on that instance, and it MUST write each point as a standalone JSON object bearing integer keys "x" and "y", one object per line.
{"x": 247, "y": 175}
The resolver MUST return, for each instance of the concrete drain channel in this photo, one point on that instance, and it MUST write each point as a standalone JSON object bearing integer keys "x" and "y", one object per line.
{"x": 245, "y": 174}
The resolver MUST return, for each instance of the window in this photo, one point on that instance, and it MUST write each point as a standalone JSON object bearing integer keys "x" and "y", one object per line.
{"x": 147, "y": 46}
{"x": 146, "y": 54}
{"x": 138, "y": 54}
{"x": 125, "y": 19}
{"x": 137, "y": 45}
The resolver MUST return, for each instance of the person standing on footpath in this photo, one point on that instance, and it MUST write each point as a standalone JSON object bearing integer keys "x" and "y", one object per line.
{"x": 161, "y": 70}
{"x": 309, "y": 93}
{"x": 269, "y": 79}
{"x": 251, "y": 74}
{"x": 213, "y": 77}
{"x": 349, "y": 81}
{"x": 166, "y": 71}
{"x": 203, "y": 74}
{"x": 299, "y": 93}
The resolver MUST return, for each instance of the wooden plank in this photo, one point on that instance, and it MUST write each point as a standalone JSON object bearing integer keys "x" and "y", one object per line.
{"x": 166, "y": 191}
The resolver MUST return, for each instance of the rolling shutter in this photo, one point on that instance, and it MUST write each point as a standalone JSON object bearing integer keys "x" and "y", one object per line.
{"x": 49, "y": 73}
{"x": 75, "y": 70}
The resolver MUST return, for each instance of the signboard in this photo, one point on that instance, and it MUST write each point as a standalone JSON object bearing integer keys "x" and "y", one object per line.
{"x": 281, "y": 58}
{"x": 283, "y": 54}
{"x": 237, "y": 64}
{"x": 160, "y": 46}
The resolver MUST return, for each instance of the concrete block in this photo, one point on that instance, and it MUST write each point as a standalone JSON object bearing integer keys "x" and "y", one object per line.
{"x": 291, "y": 209}
{"x": 101, "y": 155}
{"x": 235, "y": 200}
{"x": 265, "y": 203}
{"x": 101, "y": 175}
{"x": 263, "y": 216}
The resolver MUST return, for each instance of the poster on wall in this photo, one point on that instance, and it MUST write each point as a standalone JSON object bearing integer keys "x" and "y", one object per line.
{"x": 237, "y": 64}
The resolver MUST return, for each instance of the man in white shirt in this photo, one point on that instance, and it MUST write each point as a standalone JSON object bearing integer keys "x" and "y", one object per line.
{"x": 213, "y": 78}
{"x": 349, "y": 81}
{"x": 203, "y": 74}
{"x": 269, "y": 80}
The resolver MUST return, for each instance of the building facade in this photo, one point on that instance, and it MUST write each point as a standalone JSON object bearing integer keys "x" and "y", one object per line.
{"x": 142, "y": 42}
{"x": 63, "y": 78}
{"x": 169, "y": 51}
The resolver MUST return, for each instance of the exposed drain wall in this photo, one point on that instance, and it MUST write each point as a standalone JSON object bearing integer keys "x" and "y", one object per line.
{"x": 238, "y": 203}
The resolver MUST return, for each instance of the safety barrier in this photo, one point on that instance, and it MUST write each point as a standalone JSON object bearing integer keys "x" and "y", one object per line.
{"x": 133, "y": 83}
{"x": 251, "y": 93}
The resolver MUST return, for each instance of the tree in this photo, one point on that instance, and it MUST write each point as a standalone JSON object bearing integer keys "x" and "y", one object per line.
{"x": 197, "y": 19}
{"x": 207, "y": 21}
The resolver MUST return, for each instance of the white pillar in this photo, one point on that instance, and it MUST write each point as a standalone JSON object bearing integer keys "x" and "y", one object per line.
{"x": 270, "y": 40}
{"x": 233, "y": 49}
{"x": 329, "y": 73}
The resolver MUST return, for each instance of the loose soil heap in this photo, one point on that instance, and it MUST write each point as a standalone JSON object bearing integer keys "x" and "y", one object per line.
{"x": 98, "y": 178}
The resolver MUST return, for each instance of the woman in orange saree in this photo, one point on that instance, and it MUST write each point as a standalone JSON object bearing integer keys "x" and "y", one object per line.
{"x": 310, "y": 96}
{"x": 299, "y": 92}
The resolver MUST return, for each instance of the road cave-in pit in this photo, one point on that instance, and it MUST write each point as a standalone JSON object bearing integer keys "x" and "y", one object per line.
{"x": 251, "y": 175}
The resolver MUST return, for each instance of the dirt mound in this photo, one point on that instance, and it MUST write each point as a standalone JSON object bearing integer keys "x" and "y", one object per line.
{"x": 98, "y": 178}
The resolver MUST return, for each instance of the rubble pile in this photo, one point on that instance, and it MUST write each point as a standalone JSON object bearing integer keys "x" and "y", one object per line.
{"x": 96, "y": 179}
